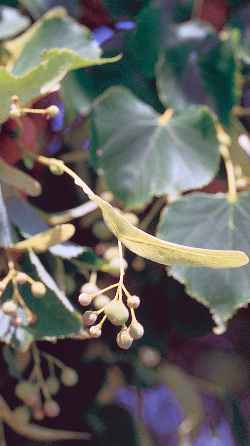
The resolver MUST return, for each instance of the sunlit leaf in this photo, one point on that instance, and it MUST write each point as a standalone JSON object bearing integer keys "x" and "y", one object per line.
{"x": 18, "y": 179}
{"x": 205, "y": 220}
{"x": 166, "y": 253}
{"x": 142, "y": 156}
{"x": 41, "y": 242}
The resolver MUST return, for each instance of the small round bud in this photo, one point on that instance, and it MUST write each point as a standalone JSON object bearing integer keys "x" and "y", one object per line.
{"x": 27, "y": 392}
{"x": 116, "y": 312}
{"x": 124, "y": 339}
{"x": 132, "y": 218}
{"x": 150, "y": 357}
{"x": 85, "y": 299}
{"x": 111, "y": 252}
{"x": 56, "y": 169}
{"x": 101, "y": 231}
{"x": 138, "y": 264}
{"x": 38, "y": 289}
{"x": 101, "y": 301}
{"x": 107, "y": 196}
{"x": 22, "y": 414}
{"x": 52, "y": 111}
{"x": 89, "y": 318}
{"x": 21, "y": 278}
{"x": 89, "y": 288}
{"x": 53, "y": 385}
{"x": 69, "y": 377}
{"x": 133, "y": 302}
{"x": 15, "y": 112}
{"x": 95, "y": 331}
{"x": 114, "y": 266}
{"x": 136, "y": 330}
{"x": 9, "y": 307}
{"x": 38, "y": 414}
{"x": 51, "y": 408}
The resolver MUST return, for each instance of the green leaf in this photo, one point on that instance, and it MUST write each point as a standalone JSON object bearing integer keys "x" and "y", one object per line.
{"x": 66, "y": 32}
{"x": 197, "y": 68}
{"x": 142, "y": 157}
{"x": 12, "y": 22}
{"x": 143, "y": 44}
{"x": 205, "y": 220}
{"x": 40, "y": 65}
{"x": 55, "y": 314}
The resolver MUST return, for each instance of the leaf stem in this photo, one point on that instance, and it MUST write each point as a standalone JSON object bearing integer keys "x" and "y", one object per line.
{"x": 152, "y": 213}
{"x": 231, "y": 179}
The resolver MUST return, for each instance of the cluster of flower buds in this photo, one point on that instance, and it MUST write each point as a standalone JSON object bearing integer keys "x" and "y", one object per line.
{"x": 119, "y": 311}
{"x": 36, "y": 393}
{"x": 12, "y": 304}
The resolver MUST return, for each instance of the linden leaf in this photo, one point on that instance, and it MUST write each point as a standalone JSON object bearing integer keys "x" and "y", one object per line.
{"x": 143, "y": 156}
{"x": 41, "y": 242}
{"x": 18, "y": 179}
{"x": 205, "y": 220}
{"x": 198, "y": 68}
{"x": 166, "y": 253}
{"x": 41, "y": 63}
{"x": 12, "y": 22}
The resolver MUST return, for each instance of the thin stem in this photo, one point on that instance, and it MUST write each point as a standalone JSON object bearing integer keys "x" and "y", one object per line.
{"x": 241, "y": 111}
{"x": 110, "y": 287}
{"x": 53, "y": 360}
{"x": 231, "y": 179}
{"x": 93, "y": 277}
{"x": 39, "y": 373}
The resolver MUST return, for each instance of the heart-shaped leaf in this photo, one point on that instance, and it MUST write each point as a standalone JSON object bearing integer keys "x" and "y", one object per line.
{"x": 41, "y": 63}
{"x": 143, "y": 156}
{"x": 205, "y": 220}
{"x": 197, "y": 67}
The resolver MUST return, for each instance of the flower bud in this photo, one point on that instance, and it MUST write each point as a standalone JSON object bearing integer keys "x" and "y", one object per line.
{"x": 52, "y": 111}
{"x": 69, "y": 377}
{"x": 89, "y": 318}
{"x": 51, "y": 408}
{"x": 85, "y": 299}
{"x": 95, "y": 331}
{"x": 136, "y": 330}
{"x": 21, "y": 278}
{"x": 9, "y": 307}
{"x": 133, "y": 302}
{"x": 38, "y": 414}
{"x": 124, "y": 340}
{"x": 116, "y": 312}
{"x": 114, "y": 266}
{"x": 24, "y": 390}
{"x": 111, "y": 252}
{"x": 53, "y": 385}
{"x": 38, "y": 289}
{"x": 89, "y": 288}
{"x": 101, "y": 231}
{"x": 101, "y": 301}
